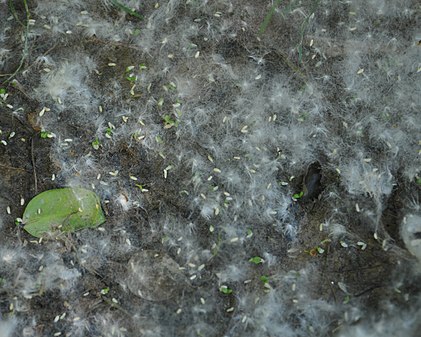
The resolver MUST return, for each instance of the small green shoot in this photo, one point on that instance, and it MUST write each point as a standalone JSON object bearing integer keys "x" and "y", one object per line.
{"x": 298, "y": 195}
{"x": 264, "y": 279}
{"x": 225, "y": 290}
{"x": 256, "y": 260}
{"x": 131, "y": 78}
{"x": 108, "y": 132}
{"x": 105, "y": 291}
{"x": 418, "y": 181}
{"x": 46, "y": 134}
{"x": 126, "y": 9}
{"x": 3, "y": 91}
{"x": 346, "y": 299}
{"x": 142, "y": 189}
{"x": 268, "y": 16}
{"x": 96, "y": 144}
{"x": 169, "y": 122}
{"x": 249, "y": 233}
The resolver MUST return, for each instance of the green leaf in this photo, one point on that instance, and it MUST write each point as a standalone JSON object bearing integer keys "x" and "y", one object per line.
{"x": 65, "y": 209}
{"x": 256, "y": 260}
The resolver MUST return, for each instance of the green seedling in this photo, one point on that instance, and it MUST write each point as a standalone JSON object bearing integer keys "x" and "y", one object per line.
{"x": 225, "y": 290}
{"x": 268, "y": 16}
{"x": 264, "y": 279}
{"x": 96, "y": 144}
{"x": 108, "y": 132}
{"x": 298, "y": 195}
{"x": 105, "y": 291}
{"x": 126, "y": 9}
{"x": 46, "y": 134}
{"x": 169, "y": 122}
{"x": 256, "y": 260}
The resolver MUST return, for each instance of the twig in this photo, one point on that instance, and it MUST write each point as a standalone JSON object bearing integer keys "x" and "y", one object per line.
{"x": 33, "y": 166}
{"x": 7, "y": 167}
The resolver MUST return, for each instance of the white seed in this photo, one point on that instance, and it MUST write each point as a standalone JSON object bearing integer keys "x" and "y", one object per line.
{"x": 360, "y": 71}
{"x": 230, "y": 309}
{"x": 4, "y": 142}
{"x": 178, "y": 312}
{"x": 202, "y": 300}
{"x": 343, "y": 244}
{"x": 216, "y": 170}
{"x": 193, "y": 277}
{"x": 22, "y": 201}
{"x": 197, "y": 55}
{"x": 56, "y": 318}
{"x": 112, "y": 64}
{"x": 53, "y": 177}
{"x": 8, "y": 210}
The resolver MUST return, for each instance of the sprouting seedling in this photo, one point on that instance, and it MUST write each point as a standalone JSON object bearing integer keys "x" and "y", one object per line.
{"x": 264, "y": 279}
{"x": 268, "y": 16}
{"x": 169, "y": 122}
{"x": 225, "y": 290}
{"x": 105, "y": 291}
{"x": 46, "y": 134}
{"x": 256, "y": 260}
{"x": 95, "y": 144}
{"x": 126, "y": 9}
{"x": 298, "y": 195}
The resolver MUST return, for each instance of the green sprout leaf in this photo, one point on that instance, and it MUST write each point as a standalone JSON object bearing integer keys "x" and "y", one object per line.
{"x": 95, "y": 144}
{"x": 264, "y": 279}
{"x": 105, "y": 291}
{"x": 126, "y": 9}
{"x": 225, "y": 290}
{"x": 418, "y": 181}
{"x": 298, "y": 195}
{"x": 256, "y": 260}
{"x": 46, "y": 134}
{"x": 65, "y": 209}
{"x": 2, "y": 91}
